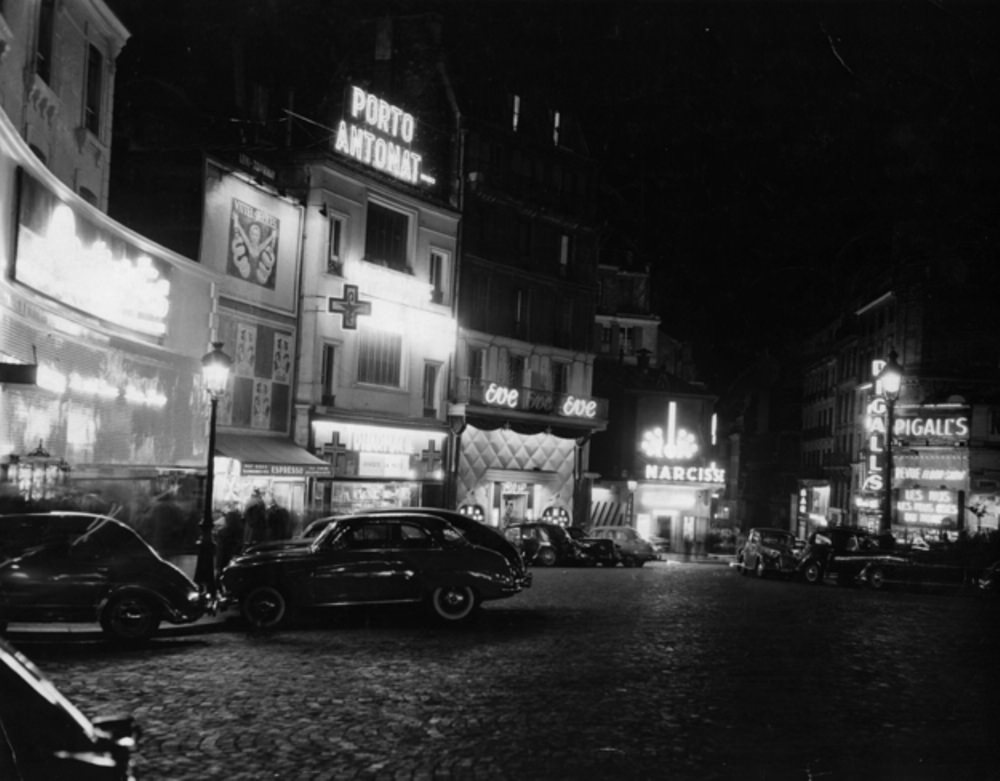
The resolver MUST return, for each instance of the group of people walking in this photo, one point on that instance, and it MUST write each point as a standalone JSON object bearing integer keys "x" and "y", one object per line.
{"x": 258, "y": 522}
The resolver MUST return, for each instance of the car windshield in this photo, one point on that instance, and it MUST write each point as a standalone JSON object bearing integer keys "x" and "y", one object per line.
{"x": 777, "y": 540}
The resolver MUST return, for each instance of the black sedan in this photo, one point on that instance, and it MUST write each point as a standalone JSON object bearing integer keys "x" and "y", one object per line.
{"x": 377, "y": 558}
{"x": 84, "y": 567}
{"x": 44, "y": 736}
{"x": 768, "y": 551}
{"x": 474, "y": 531}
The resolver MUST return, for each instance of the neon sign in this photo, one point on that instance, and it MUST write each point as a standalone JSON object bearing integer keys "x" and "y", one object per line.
{"x": 928, "y": 506}
{"x": 91, "y": 276}
{"x": 678, "y": 444}
{"x": 501, "y": 396}
{"x": 539, "y": 401}
{"x": 686, "y": 474}
{"x": 379, "y": 134}
{"x": 931, "y": 427}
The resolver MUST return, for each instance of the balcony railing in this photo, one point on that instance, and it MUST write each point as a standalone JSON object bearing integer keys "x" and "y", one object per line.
{"x": 488, "y": 393}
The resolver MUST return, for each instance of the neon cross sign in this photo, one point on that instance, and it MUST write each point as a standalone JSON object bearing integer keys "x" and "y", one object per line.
{"x": 349, "y": 307}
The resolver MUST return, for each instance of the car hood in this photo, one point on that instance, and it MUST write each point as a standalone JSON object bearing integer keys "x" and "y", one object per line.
{"x": 288, "y": 550}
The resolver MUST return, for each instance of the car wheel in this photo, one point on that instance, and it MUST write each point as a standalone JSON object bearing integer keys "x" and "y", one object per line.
{"x": 264, "y": 607}
{"x": 813, "y": 573}
{"x": 546, "y": 557}
{"x": 760, "y": 570}
{"x": 453, "y": 603}
{"x": 876, "y": 578}
{"x": 130, "y": 618}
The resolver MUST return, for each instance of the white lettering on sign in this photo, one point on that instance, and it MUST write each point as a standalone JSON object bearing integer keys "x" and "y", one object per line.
{"x": 501, "y": 396}
{"x": 579, "y": 408}
{"x": 686, "y": 474}
{"x": 379, "y": 139}
{"x": 931, "y": 427}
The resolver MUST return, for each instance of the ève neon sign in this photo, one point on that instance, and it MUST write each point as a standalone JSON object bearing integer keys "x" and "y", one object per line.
{"x": 380, "y": 135}
{"x": 571, "y": 407}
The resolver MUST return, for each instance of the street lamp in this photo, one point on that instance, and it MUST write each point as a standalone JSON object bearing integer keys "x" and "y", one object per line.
{"x": 215, "y": 368}
{"x": 889, "y": 380}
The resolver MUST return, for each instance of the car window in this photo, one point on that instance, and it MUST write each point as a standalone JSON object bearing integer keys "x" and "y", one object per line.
{"x": 413, "y": 536}
{"x": 368, "y": 535}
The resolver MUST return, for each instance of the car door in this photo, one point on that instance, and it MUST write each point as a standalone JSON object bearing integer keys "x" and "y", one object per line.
{"x": 362, "y": 564}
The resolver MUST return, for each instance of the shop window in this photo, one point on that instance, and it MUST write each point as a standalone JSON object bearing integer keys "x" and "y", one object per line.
{"x": 379, "y": 358}
{"x": 93, "y": 90}
{"x": 386, "y": 237}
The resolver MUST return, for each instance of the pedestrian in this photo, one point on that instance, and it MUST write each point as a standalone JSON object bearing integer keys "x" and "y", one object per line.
{"x": 255, "y": 520}
{"x": 278, "y": 521}
{"x": 229, "y": 539}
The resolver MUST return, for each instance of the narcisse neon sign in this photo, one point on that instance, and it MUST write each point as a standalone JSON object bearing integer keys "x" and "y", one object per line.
{"x": 678, "y": 444}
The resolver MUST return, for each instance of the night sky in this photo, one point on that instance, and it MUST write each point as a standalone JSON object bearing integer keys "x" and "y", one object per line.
{"x": 756, "y": 154}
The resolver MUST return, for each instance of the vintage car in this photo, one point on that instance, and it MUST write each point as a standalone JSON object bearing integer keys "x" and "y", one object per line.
{"x": 841, "y": 552}
{"x": 768, "y": 551}
{"x": 474, "y": 531}
{"x": 69, "y": 566}
{"x": 546, "y": 544}
{"x": 44, "y": 736}
{"x": 597, "y": 551}
{"x": 633, "y": 549}
{"x": 379, "y": 558}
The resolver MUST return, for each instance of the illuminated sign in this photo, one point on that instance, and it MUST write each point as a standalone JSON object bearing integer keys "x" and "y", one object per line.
{"x": 140, "y": 391}
{"x": 87, "y": 268}
{"x": 677, "y": 444}
{"x": 686, "y": 474}
{"x": 932, "y": 427}
{"x": 532, "y": 400}
{"x": 379, "y": 134}
{"x": 927, "y": 506}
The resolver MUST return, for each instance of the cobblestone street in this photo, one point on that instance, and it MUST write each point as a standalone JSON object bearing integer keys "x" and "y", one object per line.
{"x": 677, "y": 670}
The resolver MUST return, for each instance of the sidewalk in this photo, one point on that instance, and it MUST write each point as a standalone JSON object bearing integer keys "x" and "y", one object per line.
{"x": 92, "y": 630}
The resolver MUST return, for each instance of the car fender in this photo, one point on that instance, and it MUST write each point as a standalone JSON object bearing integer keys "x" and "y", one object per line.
{"x": 171, "y": 613}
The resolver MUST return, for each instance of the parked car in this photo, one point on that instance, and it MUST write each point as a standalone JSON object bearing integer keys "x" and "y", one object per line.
{"x": 546, "y": 544}
{"x": 633, "y": 549}
{"x": 989, "y": 579}
{"x": 474, "y": 531}
{"x": 916, "y": 569}
{"x": 85, "y": 567}
{"x": 837, "y": 551}
{"x": 374, "y": 558}
{"x": 768, "y": 551}
{"x": 597, "y": 551}
{"x": 44, "y": 736}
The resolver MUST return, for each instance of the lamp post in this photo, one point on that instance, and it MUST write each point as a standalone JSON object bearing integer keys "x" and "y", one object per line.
{"x": 889, "y": 380}
{"x": 215, "y": 373}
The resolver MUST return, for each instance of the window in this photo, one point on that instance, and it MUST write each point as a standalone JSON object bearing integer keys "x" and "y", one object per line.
{"x": 385, "y": 237}
{"x": 555, "y": 127}
{"x": 436, "y": 275}
{"x": 379, "y": 357}
{"x": 430, "y": 389}
{"x": 605, "y": 338}
{"x": 43, "y": 46}
{"x": 560, "y": 378}
{"x": 92, "y": 99}
{"x": 516, "y": 113}
{"x": 477, "y": 363}
{"x": 628, "y": 340}
{"x": 327, "y": 375}
{"x": 515, "y": 368}
{"x": 334, "y": 257}
{"x": 565, "y": 245}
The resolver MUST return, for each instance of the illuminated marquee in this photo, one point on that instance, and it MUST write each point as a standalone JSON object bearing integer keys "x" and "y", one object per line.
{"x": 932, "y": 427}
{"x": 927, "y": 506}
{"x": 379, "y": 134}
{"x": 93, "y": 272}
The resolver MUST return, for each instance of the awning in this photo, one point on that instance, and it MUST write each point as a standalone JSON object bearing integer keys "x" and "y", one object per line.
{"x": 270, "y": 456}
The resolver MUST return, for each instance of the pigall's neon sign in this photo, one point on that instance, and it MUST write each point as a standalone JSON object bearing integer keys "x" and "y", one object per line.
{"x": 380, "y": 135}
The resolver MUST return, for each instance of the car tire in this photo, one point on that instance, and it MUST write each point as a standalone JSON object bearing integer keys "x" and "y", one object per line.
{"x": 264, "y": 607}
{"x": 876, "y": 578}
{"x": 760, "y": 570}
{"x": 453, "y": 603}
{"x": 130, "y": 618}
{"x": 812, "y": 573}
{"x": 546, "y": 557}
